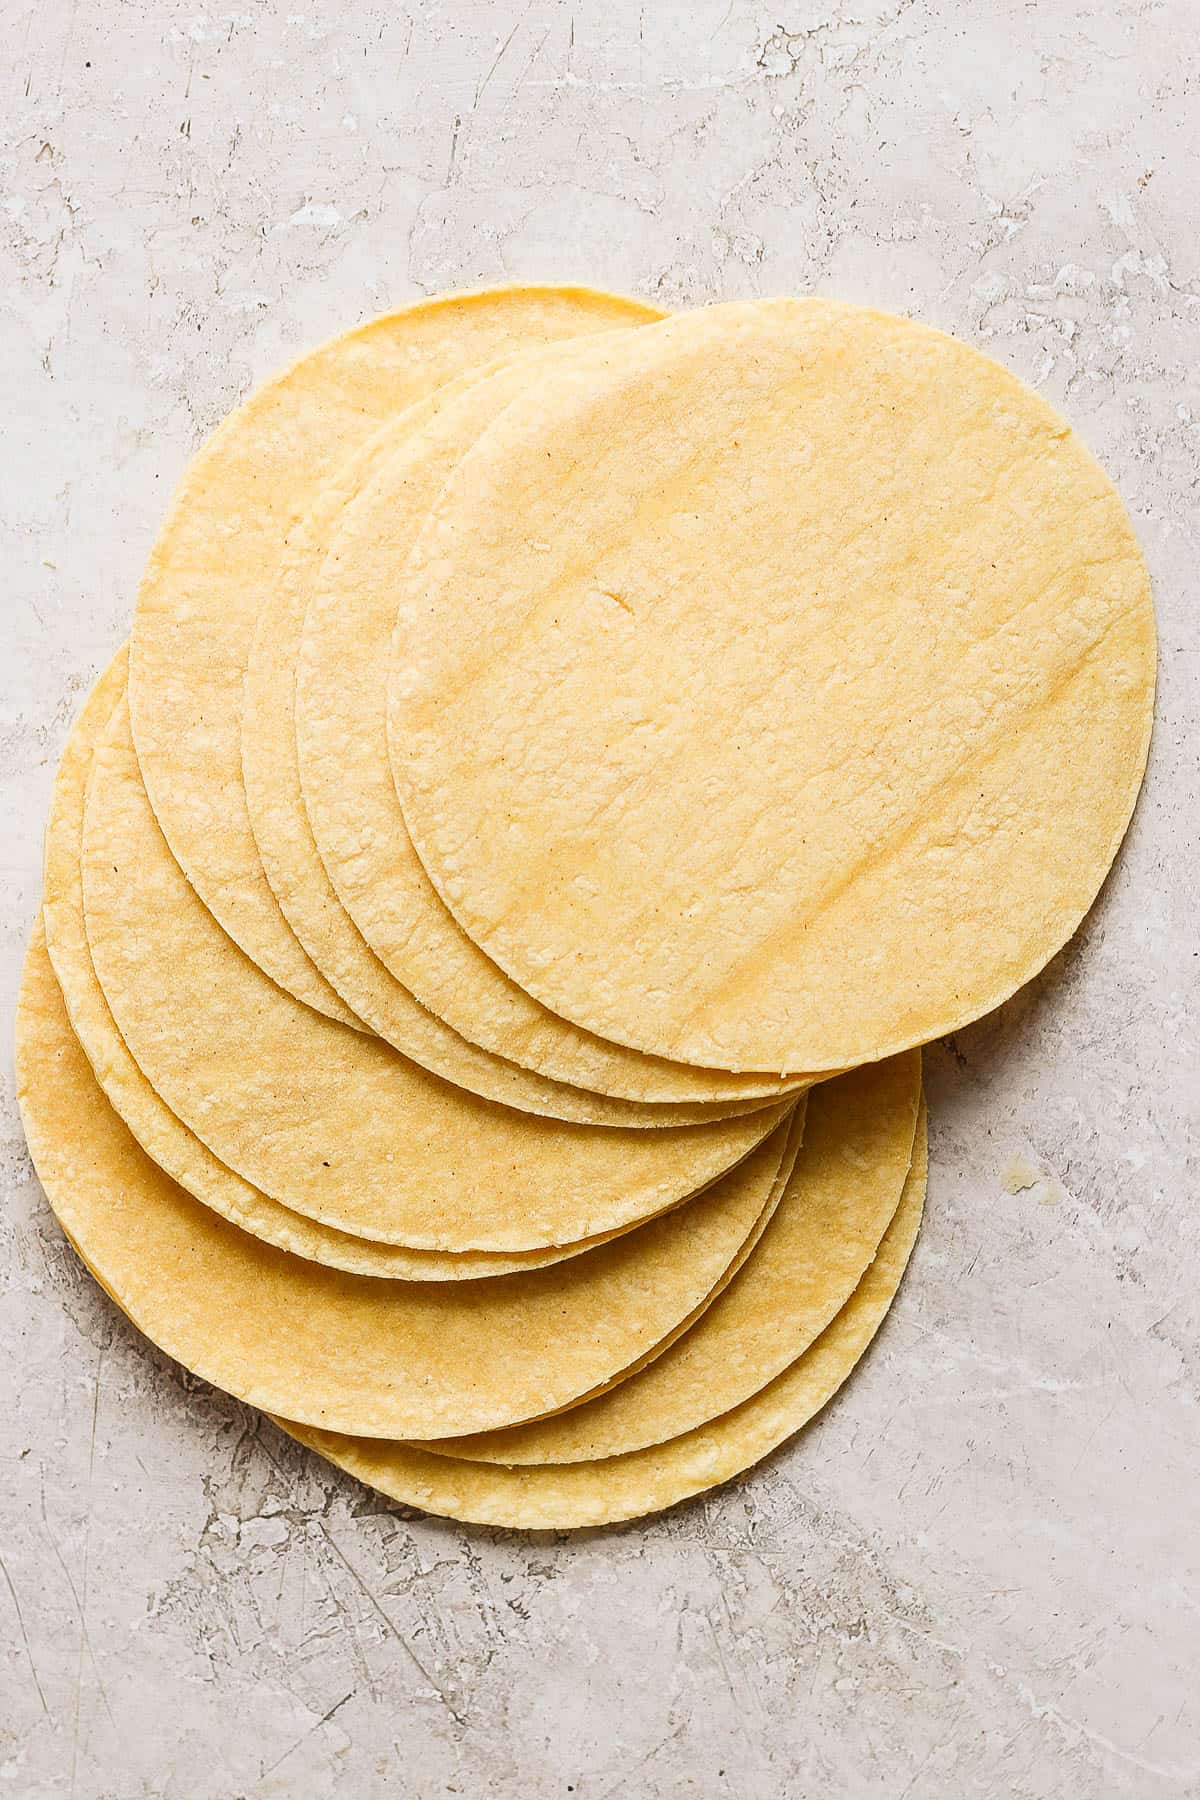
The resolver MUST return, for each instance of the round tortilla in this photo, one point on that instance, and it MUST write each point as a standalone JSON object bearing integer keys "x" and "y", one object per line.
{"x": 294, "y": 866}
{"x": 568, "y": 1497}
{"x": 835, "y": 585}
{"x": 843, "y": 1192}
{"x": 373, "y": 1358}
{"x": 160, "y": 1133}
{"x": 331, "y": 1123}
{"x": 368, "y": 521}
{"x": 216, "y": 558}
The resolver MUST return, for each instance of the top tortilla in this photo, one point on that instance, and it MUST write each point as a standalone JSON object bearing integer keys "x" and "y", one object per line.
{"x": 215, "y": 562}
{"x": 348, "y": 799}
{"x": 773, "y": 687}
{"x": 325, "y": 1120}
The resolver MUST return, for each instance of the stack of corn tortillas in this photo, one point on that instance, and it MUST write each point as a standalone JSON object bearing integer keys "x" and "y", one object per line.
{"x": 566, "y": 763}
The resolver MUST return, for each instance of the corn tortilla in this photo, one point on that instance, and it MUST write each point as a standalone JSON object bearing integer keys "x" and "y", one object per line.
{"x": 164, "y": 1137}
{"x": 564, "y": 1497}
{"x": 327, "y": 1121}
{"x": 842, "y": 1194}
{"x": 374, "y": 1358}
{"x": 215, "y": 561}
{"x": 773, "y": 687}
{"x": 370, "y": 518}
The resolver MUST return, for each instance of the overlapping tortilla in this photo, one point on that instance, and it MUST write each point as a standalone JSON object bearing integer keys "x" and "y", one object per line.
{"x": 563, "y": 1497}
{"x": 215, "y": 562}
{"x": 151, "y": 1121}
{"x": 773, "y": 686}
{"x": 327, "y": 1121}
{"x": 368, "y": 520}
{"x": 843, "y": 1191}
{"x": 298, "y": 875}
{"x": 383, "y": 1358}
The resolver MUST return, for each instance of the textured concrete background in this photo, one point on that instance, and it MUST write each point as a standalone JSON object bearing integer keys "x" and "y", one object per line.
{"x": 977, "y": 1576}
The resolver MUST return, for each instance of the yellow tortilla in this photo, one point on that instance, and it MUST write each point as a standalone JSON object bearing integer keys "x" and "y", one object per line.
{"x": 374, "y": 1358}
{"x": 369, "y": 519}
{"x": 327, "y": 1121}
{"x": 843, "y": 1192}
{"x": 363, "y": 781}
{"x": 215, "y": 562}
{"x": 160, "y": 1133}
{"x": 567, "y": 1497}
{"x": 773, "y": 687}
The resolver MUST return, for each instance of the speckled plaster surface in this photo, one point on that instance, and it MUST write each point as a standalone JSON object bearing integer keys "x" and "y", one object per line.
{"x": 977, "y": 1575}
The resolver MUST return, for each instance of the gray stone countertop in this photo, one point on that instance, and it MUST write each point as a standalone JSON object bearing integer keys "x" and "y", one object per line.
{"x": 977, "y": 1574}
